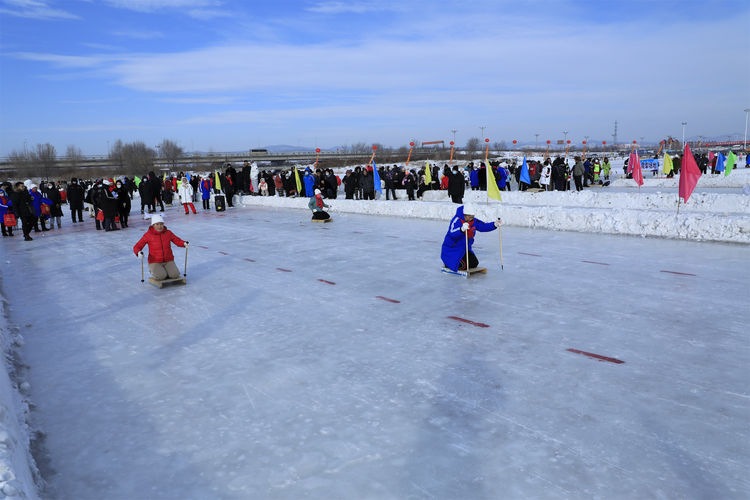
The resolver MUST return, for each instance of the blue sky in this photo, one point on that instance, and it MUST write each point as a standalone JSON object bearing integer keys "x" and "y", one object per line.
{"x": 234, "y": 74}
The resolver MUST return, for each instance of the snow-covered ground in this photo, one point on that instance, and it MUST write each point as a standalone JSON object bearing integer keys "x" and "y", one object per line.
{"x": 335, "y": 361}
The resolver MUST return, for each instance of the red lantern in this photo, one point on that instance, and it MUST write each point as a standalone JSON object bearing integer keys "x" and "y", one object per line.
{"x": 451, "y": 143}
{"x": 584, "y": 142}
{"x": 515, "y": 142}
{"x": 412, "y": 144}
{"x": 604, "y": 142}
{"x": 662, "y": 142}
{"x": 548, "y": 142}
{"x": 317, "y": 150}
{"x": 568, "y": 142}
{"x": 374, "y": 148}
{"x": 486, "y": 140}
{"x": 634, "y": 142}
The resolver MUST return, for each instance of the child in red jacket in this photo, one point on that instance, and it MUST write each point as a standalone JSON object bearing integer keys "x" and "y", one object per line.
{"x": 160, "y": 258}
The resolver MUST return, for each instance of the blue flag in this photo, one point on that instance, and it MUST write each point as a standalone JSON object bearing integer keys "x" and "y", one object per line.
{"x": 188, "y": 176}
{"x": 376, "y": 179}
{"x": 525, "y": 173}
{"x": 720, "y": 159}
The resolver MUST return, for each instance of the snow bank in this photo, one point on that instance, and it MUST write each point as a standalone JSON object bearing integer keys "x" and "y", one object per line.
{"x": 16, "y": 464}
{"x": 598, "y": 216}
{"x": 737, "y": 178}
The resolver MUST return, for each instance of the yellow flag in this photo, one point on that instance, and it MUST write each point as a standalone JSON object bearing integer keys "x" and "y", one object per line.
{"x": 667, "y": 164}
{"x": 218, "y": 182}
{"x": 492, "y": 190}
{"x": 427, "y": 174}
{"x": 299, "y": 184}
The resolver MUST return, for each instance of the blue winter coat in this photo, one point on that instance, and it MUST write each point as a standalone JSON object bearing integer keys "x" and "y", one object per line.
{"x": 5, "y": 203}
{"x": 309, "y": 185}
{"x": 454, "y": 244}
{"x": 205, "y": 188}
{"x": 474, "y": 178}
{"x": 501, "y": 177}
{"x": 38, "y": 199}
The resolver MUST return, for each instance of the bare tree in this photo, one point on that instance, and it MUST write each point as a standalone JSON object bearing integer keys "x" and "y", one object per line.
{"x": 74, "y": 155}
{"x": 359, "y": 147}
{"x": 138, "y": 156}
{"x": 45, "y": 156}
{"x": 472, "y": 146}
{"x": 117, "y": 154}
{"x": 171, "y": 152}
{"x": 20, "y": 158}
{"x": 499, "y": 146}
{"x": 416, "y": 143}
{"x": 344, "y": 149}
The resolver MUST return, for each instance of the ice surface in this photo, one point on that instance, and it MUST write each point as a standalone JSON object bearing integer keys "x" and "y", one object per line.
{"x": 252, "y": 382}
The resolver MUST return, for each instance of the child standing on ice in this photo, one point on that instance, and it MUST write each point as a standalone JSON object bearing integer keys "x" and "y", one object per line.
{"x": 160, "y": 258}
{"x": 454, "y": 245}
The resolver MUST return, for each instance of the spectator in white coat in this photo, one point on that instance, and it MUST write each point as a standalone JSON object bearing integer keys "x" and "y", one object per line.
{"x": 185, "y": 192}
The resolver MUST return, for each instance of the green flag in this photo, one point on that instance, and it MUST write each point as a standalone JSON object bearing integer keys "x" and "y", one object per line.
{"x": 492, "y": 190}
{"x": 427, "y": 174}
{"x": 731, "y": 160}
{"x": 137, "y": 181}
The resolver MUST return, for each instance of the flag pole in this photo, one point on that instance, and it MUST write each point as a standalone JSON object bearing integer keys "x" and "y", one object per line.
{"x": 411, "y": 146}
{"x": 487, "y": 152}
{"x": 467, "y": 253}
{"x": 451, "y": 160}
{"x": 500, "y": 232}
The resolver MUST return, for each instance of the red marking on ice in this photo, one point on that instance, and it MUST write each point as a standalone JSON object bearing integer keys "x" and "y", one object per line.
{"x": 675, "y": 272}
{"x": 532, "y": 254}
{"x": 266, "y": 221}
{"x": 329, "y": 282}
{"x": 326, "y": 228}
{"x": 430, "y": 241}
{"x": 480, "y": 248}
{"x": 202, "y": 247}
{"x": 592, "y": 262}
{"x": 387, "y": 299}
{"x": 249, "y": 260}
{"x": 482, "y": 325}
{"x": 357, "y": 232}
{"x": 285, "y": 270}
{"x": 223, "y": 253}
{"x": 392, "y": 236}
{"x": 596, "y": 356}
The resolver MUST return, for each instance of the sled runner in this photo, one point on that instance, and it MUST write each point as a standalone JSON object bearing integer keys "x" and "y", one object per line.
{"x": 322, "y": 220}
{"x": 161, "y": 283}
{"x": 472, "y": 271}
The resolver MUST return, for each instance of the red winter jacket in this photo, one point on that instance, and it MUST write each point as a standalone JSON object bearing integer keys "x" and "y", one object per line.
{"x": 159, "y": 245}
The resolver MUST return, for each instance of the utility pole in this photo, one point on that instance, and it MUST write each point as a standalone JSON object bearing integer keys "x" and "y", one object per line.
{"x": 642, "y": 141}
{"x": 683, "y": 134}
{"x": 614, "y": 136}
{"x": 566, "y": 135}
{"x": 536, "y": 141}
{"x": 746, "y": 112}
{"x": 454, "y": 134}
{"x": 482, "y": 134}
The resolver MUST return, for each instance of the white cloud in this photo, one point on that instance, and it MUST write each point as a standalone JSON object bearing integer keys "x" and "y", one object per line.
{"x": 154, "y": 5}
{"x": 101, "y": 46}
{"x": 140, "y": 35}
{"x": 35, "y": 9}
{"x": 341, "y": 7}
{"x": 207, "y": 14}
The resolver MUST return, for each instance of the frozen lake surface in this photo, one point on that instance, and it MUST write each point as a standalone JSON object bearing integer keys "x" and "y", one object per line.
{"x": 330, "y": 361}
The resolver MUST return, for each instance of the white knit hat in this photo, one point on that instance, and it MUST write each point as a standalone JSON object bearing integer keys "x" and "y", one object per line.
{"x": 317, "y": 191}
{"x": 156, "y": 219}
{"x": 469, "y": 209}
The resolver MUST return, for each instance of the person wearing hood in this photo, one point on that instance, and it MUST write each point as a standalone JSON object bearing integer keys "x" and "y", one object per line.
{"x": 185, "y": 192}
{"x": 316, "y": 205}
{"x": 38, "y": 199}
{"x": 55, "y": 209}
{"x": 205, "y": 189}
{"x": 463, "y": 224}
{"x": 456, "y": 186}
{"x": 6, "y": 206}
{"x": 308, "y": 183}
{"x": 123, "y": 202}
{"x": 579, "y": 170}
{"x": 76, "y": 194}
{"x": 160, "y": 257}
{"x": 23, "y": 207}
{"x": 155, "y": 192}
{"x": 228, "y": 183}
{"x": 108, "y": 202}
{"x": 144, "y": 191}
{"x": 367, "y": 183}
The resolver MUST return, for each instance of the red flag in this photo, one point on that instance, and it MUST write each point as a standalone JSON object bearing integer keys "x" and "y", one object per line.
{"x": 634, "y": 164}
{"x": 689, "y": 174}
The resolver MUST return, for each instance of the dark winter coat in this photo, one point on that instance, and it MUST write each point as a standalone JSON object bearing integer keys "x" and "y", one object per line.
{"x": 367, "y": 182}
{"x": 454, "y": 244}
{"x": 350, "y": 184}
{"x": 76, "y": 194}
{"x": 23, "y": 204}
{"x": 108, "y": 203}
{"x": 123, "y": 200}
{"x": 159, "y": 245}
{"x": 144, "y": 189}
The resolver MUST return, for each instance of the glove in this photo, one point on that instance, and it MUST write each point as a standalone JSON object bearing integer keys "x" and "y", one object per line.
{"x": 498, "y": 223}
{"x": 140, "y": 255}
{"x": 187, "y": 244}
{"x": 464, "y": 227}
{"x": 330, "y": 208}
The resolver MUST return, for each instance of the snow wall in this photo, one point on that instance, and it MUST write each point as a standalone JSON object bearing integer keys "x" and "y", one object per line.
{"x": 17, "y": 468}
{"x": 706, "y": 217}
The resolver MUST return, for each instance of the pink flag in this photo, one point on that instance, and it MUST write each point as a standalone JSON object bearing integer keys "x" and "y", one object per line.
{"x": 634, "y": 164}
{"x": 710, "y": 156}
{"x": 689, "y": 174}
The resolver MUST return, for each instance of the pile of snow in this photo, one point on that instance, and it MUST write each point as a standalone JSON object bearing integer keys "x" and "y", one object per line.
{"x": 17, "y": 469}
{"x": 721, "y": 219}
{"x": 738, "y": 177}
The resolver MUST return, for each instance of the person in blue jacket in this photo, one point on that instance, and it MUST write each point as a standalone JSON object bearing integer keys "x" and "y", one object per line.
{"x": 38, "y": 199}
{"x": 309, "y": 183}
{"x": 454, "y": 245}
{"x": 474, "y": 179}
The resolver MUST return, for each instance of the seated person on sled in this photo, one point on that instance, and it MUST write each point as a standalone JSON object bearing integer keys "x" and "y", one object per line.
{"x": 316, "y": 205}
{"x": 160, "y": 258}
{"x": 454, "y": 244}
